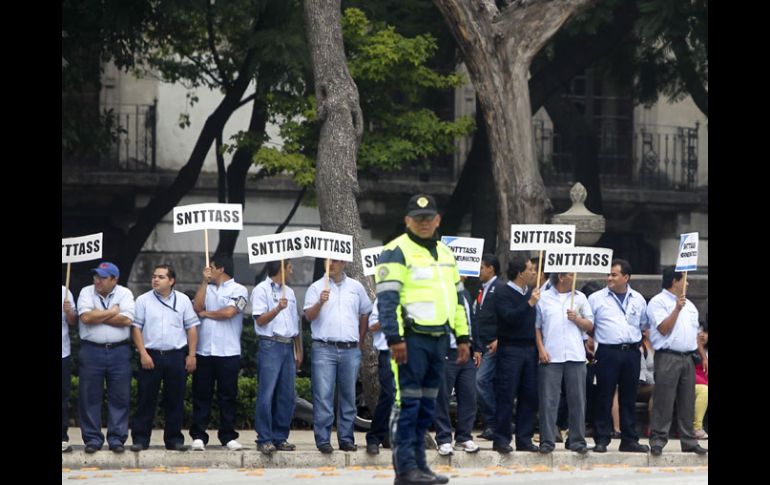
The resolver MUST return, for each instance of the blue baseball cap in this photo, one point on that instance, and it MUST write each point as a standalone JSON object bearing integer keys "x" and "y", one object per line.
{"x": 107, "y": 269}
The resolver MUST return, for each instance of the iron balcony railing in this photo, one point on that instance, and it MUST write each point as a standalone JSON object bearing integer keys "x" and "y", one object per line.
{"x": 652, "y": 157}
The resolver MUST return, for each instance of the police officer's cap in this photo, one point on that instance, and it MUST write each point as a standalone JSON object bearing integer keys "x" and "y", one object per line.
{"x": 421, "y": 204}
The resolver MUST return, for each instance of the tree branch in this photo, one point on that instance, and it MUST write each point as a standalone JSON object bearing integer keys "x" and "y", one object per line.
{"x": 690, "y": 77}
{"x": 212, "y": 45}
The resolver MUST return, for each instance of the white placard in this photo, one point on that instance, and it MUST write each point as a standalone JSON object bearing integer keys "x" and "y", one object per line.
{"x": 273, "y": 247}
{"x": 196, "y": 217}
{"x": 578, "y": 260}
{"x": 528, "y": 237}
{"x": 687, "y": 253}
{"x": 467, "y": 251}
{"x": 322, "y": 244}
{"x": 83, "y": 248}
{"x": 369, "y": 259}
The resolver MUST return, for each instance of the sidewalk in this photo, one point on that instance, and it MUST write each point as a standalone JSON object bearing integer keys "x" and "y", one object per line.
{"x": 307, "y": 456}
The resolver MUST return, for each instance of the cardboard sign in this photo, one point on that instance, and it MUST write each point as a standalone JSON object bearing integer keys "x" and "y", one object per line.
{"x": 468, "y": 252}
{"x": 274, "y": 247}
{"x": 322, "y": 244}
{"x": 196, "y": 217}
{"x": 529, "y": 237}
{"x": 369, "y": 259}
{"x": 578, "y": 260}
{"x": 687, "y": 254}
{"x": 83, "y": 248}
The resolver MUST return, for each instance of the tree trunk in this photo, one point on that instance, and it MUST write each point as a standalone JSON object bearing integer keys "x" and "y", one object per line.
{"x": 341, "y": 121}
{"x": 239, "y": 167}
{"x": 169, "y": 197}
{"x": 497, "y": 47}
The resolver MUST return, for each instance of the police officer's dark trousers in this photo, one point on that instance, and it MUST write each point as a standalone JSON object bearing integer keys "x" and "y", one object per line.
{"x": 417, "y": 384}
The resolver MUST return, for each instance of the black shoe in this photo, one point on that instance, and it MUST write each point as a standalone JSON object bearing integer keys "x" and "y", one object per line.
{"x": 487, "y": 434}
{"x": 178, "y": 447}
{"x": 269, "y": 448}
{"x": 345, "y": 446}
{"x": 91, "y": 449}
{"x": 386, "y": 443}
{"x": 118, "y": 448}
{"x": 634, "y": 447}
{"x": 325, "y": 448}
{"x": 582, "y": 449}
{"x": 502, "y": 448}
{"x": 545, "y": 449}
{"x": 698, "y": 450}
{"x": 436, "y": 478}
{"x": 600, "y": 448}
{"x": 656, "y": 450}
{"x": 285, "y": 446}
{"x": 68, "y": 449}
{"x": 138, "y": 447}
{"x": 414, "y": 477}
{"x": 373, "y": 449}
{"x": 528, "y": 447}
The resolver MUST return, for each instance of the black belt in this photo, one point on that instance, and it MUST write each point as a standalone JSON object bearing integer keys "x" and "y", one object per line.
{"x": 108, "y": 345}
{"x": 632, "y": 345}
{"x": 165, "y": 352}
{"x": 676, "y": 352}
{"x": 339, "y": 345}
{"x": 277, "y": 338}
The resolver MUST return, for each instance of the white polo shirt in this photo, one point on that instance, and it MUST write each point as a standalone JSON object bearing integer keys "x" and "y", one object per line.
{"x": 265, "y": 297}
{"x": 339, "y": 317}
{"x": 222, "y": 338}
{"x": 102, "y": 333}
{"x": 562, "y": 339}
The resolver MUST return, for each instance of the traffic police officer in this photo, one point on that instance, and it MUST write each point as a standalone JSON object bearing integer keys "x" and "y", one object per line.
{"x": 418, "y": 290}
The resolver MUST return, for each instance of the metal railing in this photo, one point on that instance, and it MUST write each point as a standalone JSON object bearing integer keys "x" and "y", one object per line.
{"x": 653, "y": 157}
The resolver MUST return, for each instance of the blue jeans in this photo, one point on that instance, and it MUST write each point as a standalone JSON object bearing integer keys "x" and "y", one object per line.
{"x": 66, "y": 363}
{"x": 485, "y": 377}
{"x": 96, "y": 365}
{"x": 332, "y": 368}
{"x": 275, "y": 391}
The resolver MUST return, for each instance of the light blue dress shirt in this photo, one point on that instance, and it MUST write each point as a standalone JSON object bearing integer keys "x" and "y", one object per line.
{"x": 562, "y": 339}
{"x": 378, "y": 338}
{"x": 164, "y": 321}
{"x": 265, "y": 297}
{"x": 616, "y": 322}
{"x": 339, "y": 317}
{"x": 102, "y": 333}
{"x": 222, "y": 338}
{"x": 65, "y": 329}
{"x": 684, "y": 335}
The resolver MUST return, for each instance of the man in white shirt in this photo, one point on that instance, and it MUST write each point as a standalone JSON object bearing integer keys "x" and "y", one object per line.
{"x": 276, "y": 323}
{"x": 338, "y": 310}
{"x": 674, "y": 336}
{"x": 69, "y": 318}
{"x": 106, "y": 311}
{"x": 219, "y": 302}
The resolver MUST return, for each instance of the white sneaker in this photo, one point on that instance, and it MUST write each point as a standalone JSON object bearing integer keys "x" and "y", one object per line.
{"x": 197, "y": 445}
{"x": 467, "y": 446}
{"x": 65, "y": 447}
{"x": 233, "y": 445}
{"x": 445, "y": 449}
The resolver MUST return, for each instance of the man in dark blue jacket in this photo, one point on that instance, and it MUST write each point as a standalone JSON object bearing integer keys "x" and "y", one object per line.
{"x": 516, "y": 357}
{"x": 485, "y": 340}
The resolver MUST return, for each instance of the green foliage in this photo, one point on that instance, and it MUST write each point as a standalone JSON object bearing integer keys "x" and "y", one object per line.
{"x": 393, "y": 82}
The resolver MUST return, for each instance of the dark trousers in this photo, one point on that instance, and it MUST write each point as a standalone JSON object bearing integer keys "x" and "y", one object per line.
{"x": 97, "y": 365}
{"x": 616, "y": 368}
{"x": 66, "y": 364}
{"x": 461, "y": 378}
{"x": 418, "y": 381}
{"x": 674, "y": 382}
{"x": 169, "y": 369}
{"x": 515, "y": 378}
{"x": 222, "y": 371}
{"x": 378, "y": 433}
